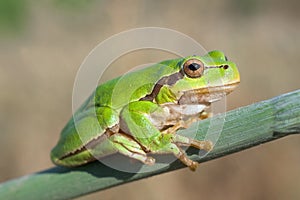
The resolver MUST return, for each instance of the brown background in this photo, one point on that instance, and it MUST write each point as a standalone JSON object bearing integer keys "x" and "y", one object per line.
{"x": 44, "y": 42}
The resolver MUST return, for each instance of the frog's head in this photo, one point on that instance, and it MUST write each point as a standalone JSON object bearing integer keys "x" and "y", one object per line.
{"x": 205, "y": 78}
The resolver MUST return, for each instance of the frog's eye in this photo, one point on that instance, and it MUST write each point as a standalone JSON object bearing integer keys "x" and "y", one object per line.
{"x": 193, "y": 68}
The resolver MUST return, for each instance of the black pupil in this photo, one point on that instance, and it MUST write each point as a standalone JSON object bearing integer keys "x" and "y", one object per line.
{"x": 194, "y": 66}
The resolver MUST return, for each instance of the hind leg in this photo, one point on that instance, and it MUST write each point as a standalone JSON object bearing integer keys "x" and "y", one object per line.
{"x": 129, "y": 147}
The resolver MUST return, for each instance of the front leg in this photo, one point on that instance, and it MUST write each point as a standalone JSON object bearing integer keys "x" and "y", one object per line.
{"x": 181, "y": 124}
{"x": 182, "y": 116}
{"x": 137, "y": 121}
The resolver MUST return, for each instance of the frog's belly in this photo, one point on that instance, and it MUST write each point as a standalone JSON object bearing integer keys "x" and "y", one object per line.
{"x": 172, "y": 114}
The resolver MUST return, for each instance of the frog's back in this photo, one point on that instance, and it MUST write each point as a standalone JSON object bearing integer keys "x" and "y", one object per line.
{"x": 137, "y": 85}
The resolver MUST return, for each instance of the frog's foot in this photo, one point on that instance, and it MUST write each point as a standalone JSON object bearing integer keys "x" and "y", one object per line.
{"x": 185, "y": 141}
{"x": 179, "y": 153}
{"x": 129, "y": 147}
{"x": 188, "y": 162}
{"x": 205, "y": 115}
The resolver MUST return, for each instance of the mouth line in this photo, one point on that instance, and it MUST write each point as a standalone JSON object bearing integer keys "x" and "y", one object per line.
{"x": 207, "y": 95}
{"x": 223, "y": 88}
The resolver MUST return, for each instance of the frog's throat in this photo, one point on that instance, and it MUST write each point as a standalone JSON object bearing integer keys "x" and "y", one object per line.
{"x": 207, "y": 94}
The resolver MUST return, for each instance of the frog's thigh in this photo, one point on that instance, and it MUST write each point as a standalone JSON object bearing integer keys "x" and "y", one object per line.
{"x": 129, "y": 147}
{"x": 185, "y": 141}
{"x": 136, "y": 121}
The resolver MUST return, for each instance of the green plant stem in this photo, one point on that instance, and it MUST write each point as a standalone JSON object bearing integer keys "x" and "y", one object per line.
{"x": 243, "y": 128}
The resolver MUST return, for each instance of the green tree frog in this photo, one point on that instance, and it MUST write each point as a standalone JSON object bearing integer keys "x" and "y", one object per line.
{"x": 150, "y": 106}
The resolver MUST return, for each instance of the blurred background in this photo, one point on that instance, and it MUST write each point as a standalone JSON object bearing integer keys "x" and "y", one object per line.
{"x": 43, "y": 43}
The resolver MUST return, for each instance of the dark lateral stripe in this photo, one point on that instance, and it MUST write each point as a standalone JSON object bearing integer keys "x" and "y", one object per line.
{"x": 96, "y": 141}
{"x": 166, "y": 80}
{"x": 89, "y": 145}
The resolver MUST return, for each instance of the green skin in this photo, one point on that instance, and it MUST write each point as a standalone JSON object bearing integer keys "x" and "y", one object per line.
{"x": 138, "y": 114}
